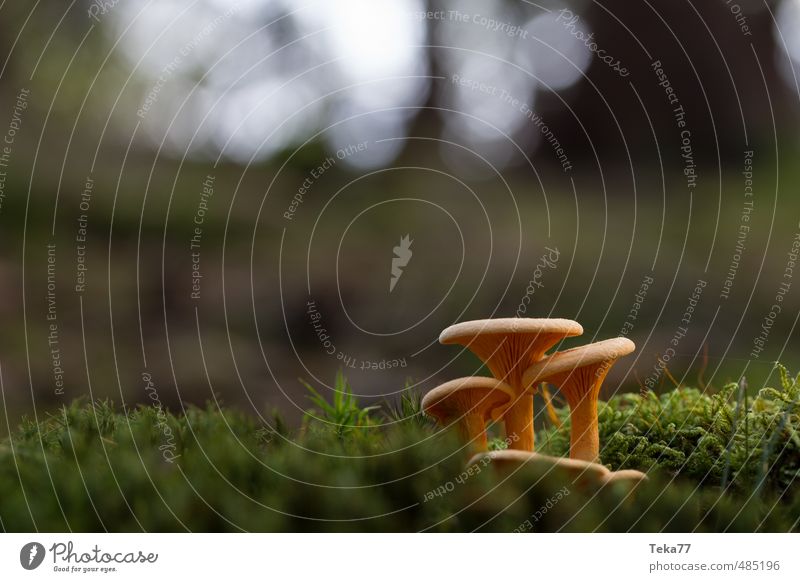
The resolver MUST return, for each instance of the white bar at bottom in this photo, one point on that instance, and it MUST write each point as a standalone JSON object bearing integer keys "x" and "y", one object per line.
{"x": 401, "y": 557}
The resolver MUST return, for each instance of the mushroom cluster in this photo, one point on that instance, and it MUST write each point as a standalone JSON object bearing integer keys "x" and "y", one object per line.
{"x": 514, "y": 350}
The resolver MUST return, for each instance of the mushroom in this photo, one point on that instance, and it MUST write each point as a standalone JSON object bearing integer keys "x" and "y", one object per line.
{"x": 627, "y": 476}
{"x": 576, "y": 470}
{"x": 579, "y": 373}
{"x": 507, "y": 347}
{"x": 471, "y": 402}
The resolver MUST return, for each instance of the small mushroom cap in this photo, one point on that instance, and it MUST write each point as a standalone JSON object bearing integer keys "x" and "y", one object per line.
{"x": 572, "y": 359}
{"x": 463, "y": 395}
{"x": 464, "y": 332}
{"x": 626, "y": 475}
{"x": 575, "y": 468}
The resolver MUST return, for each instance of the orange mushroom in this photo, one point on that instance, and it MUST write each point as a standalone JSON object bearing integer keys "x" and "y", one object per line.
{"x": 471, "y": 402}
{"x": 630, "y": 477}
{"x": 579, "y": 374}
{"x": 575, "y": 470}
{"x": 507, "y": 347}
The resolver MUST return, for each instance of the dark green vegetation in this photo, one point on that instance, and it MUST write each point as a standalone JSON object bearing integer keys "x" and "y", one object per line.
{"x": 723, "y": 439}
{"x": 718, "y": 462}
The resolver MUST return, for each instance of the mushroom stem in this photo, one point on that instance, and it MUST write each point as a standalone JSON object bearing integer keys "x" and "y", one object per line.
{"x": 548, "y": 402}
{"x": 519, "y": 423}
{"x": 473, "y": 429}
{"x": 584, "y": 431}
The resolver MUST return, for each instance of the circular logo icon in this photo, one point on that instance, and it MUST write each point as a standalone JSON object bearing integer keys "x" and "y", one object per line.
{"x": 31, "y": 555}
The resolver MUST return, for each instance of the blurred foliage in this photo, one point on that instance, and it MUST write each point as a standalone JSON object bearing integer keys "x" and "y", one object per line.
{"x": 90, "y": 467}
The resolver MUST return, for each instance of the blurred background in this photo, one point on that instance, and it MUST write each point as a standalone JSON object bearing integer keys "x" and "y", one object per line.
{"x": 208, "y": 197}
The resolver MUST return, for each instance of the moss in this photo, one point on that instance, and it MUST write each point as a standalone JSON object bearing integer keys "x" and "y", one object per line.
{"x": 715, "y": 439}
{"x": 93, "y": 467}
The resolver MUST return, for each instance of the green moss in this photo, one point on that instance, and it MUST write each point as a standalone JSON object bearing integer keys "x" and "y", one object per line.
{"x": 720, "y": 439}
{"x": 717, "y": 464}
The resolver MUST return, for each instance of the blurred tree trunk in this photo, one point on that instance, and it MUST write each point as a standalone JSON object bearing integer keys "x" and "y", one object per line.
{"x": 709, "y": 61}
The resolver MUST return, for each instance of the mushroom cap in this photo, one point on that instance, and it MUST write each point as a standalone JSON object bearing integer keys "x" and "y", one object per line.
{"x": 574, "y": 468}
{"x": 508, "y": 346}
{"x": 626, "y": 475}
{"x": 575, "y": 358}
{"x": 464, "y": 395}
{"x": 466, "y": 331}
